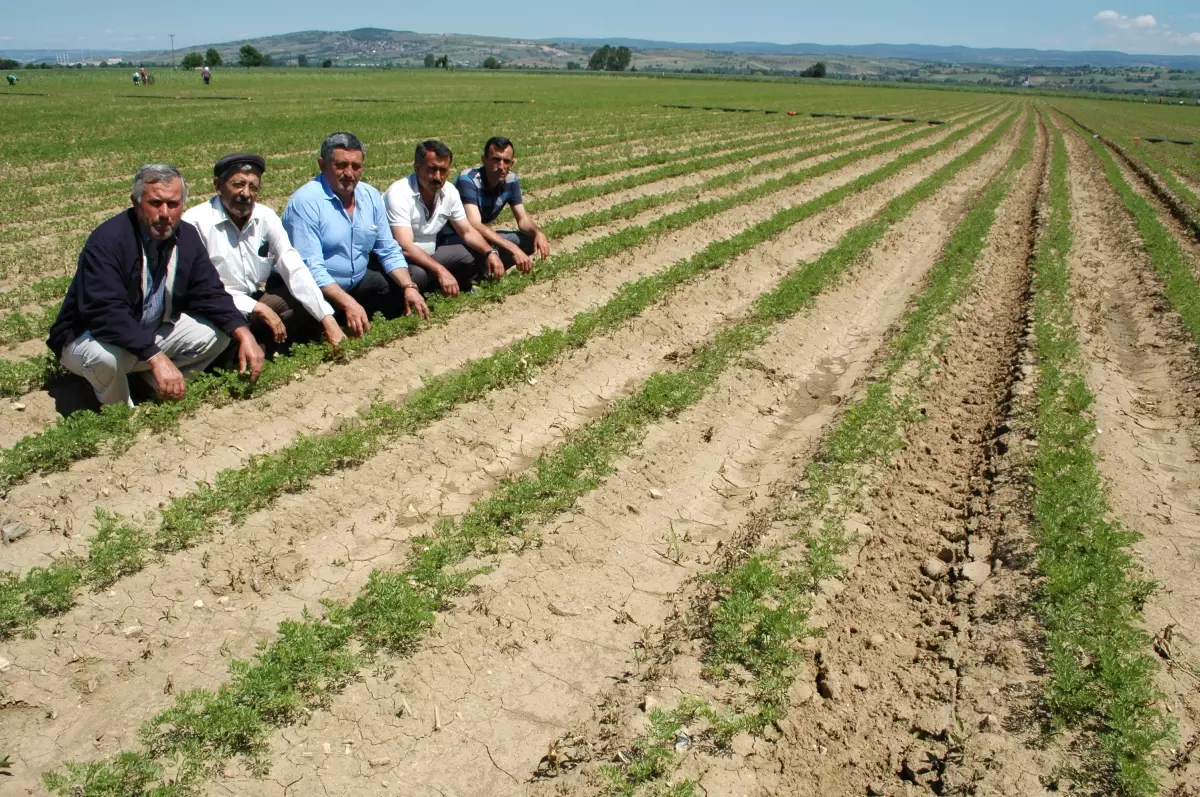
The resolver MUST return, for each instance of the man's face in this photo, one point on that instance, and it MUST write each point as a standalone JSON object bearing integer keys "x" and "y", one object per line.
{"x": 342, "y": 171}
{"x": 239, "y": 193}
{"x": 498, "y": 163}
{"x": 160, "y": 208}
{"x": 432, "y": 173}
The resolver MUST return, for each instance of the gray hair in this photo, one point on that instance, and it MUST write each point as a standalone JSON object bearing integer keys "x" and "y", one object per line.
{"x": 341, "y": 141}
{"x": 156, "y": 173}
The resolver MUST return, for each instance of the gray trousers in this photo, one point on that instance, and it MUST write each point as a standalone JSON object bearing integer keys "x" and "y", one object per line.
{"x": 191, "y": 343}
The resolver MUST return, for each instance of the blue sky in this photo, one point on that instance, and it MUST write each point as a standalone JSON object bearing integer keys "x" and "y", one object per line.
{"x": 1149, "y": 26}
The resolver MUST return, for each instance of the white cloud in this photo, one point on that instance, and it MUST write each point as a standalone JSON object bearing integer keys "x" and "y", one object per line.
{"x": 1113, "y": 19}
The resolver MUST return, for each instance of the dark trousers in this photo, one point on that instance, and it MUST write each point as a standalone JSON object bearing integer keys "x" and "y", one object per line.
{"x": 451, "y": 239}
{"x": 301, "y": 326}
{"x": 466, "y": 266}
{"x": 377, "y": 293}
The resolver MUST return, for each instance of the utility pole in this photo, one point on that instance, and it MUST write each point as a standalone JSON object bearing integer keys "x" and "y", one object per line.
{"x": 172, "y": 35}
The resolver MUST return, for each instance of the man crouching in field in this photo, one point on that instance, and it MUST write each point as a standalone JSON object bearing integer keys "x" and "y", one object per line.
{"x": 419, "y": 207}
{"x": 486, "y": 189}
{"x": 146, "y": 298}
{"x": 337, "y": 222}
{"x": 262, "y": 271}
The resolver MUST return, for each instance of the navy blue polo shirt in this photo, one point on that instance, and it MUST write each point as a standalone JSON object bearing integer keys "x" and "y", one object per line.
{"x": 490, "y": 201}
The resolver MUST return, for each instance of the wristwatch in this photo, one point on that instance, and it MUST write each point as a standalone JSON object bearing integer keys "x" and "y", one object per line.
{"x": 495, "y": 251}
{"x": 414, "y": 285}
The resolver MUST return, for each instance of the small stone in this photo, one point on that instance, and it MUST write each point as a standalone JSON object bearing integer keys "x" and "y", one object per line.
{"x": 18, "y": 406}
{"x": 379, "y": 762}
{"x": 656, "y": 493}
{"x": 976, "y": 572}
{"x": 859, "y": 679}
{"x": 989, "y": 723}
{"x": 933, "y": 724}
{"x": 875, "y": 641}
{"x": 133, "y": 630}
{"x": 199, "y": 604}
{"x": 876, "y": 789}
{"x": 327, "y": 748}
{"x": 743, "y": 745}
{"x": 934, "y": 568}
{"x": 650, "y": 703}
{"x": 224, "y": 599}
{"x": 14, "y": 530}
{"x": 5, "y": 664}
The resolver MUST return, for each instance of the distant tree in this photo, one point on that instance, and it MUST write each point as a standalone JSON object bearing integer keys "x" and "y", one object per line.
{"x": 816, "y": 70}
{"x": 212, "y": 57}
{"x": 599, "y": 60}
{"x": 610, "y": 59}
{"x": 491, "y": 62}
{"x": 248, "y": 55}
{"x": 302, "y": 60}
{"x": 8, "y": 63}
{"x": 430, "y": 61}
{"x": 192, "y": 61}
{"x": 268, "y": 60}
{"x": 327, "y": 63}
{"x": 573, "y": 66}
{"x": 443, "y": 61}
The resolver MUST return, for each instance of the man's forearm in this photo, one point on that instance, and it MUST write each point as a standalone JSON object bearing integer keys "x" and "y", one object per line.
{"x": 337, "y": 295}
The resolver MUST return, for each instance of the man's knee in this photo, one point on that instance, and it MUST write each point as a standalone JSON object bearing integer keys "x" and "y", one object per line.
{"x": 99, "y": 363}
{"x": 194, "y": 338}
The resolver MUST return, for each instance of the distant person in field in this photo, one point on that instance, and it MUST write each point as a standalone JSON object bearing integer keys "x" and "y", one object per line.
{"x": 206, "y": 74}
{"x": 145, "y": 77}
{"x": 146, "y": 299}
{"x": 12, "y": 80}
{"x": 337, "y": 222}
{"x": 485, "y": 190}
{"x": 419, "y": 208}
{"x": 137, "y": 78}
{"x": 261, "y": 270}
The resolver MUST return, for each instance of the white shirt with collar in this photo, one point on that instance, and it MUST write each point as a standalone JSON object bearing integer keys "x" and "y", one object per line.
{"x": 245, "y": 258}
{"x": 405, "y": 208}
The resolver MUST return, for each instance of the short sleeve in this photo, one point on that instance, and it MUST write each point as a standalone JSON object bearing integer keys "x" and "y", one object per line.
{"x": 454, "y": 204}
{"x": 397, "y": 200}
{"x": 514, "y": 191}
{"x": 467, "y": 190}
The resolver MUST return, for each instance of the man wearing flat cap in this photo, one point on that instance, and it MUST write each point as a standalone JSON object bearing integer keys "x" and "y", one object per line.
{"x": 261, "y": 269}
{"x": 146, "y": 298}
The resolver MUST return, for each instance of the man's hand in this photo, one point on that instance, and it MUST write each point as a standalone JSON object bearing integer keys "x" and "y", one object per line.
{"x": 522, "y": 261}
{"x": 495, "y": 265}
{"x": 272, "y": 320}
{"x": 250, "y": 354}
{"x": 333, "y": 333}
{"x": 168, "y": 381}
{"x": 356, "y": 318}
{"x": 447, "y": 282}
{"x": 541, "y": 244}
{"x": 414, "y": 302}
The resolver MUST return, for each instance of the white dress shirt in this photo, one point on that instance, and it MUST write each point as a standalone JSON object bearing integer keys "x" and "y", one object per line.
{"x": 245, "y": 258}
{"x": 405, "y": 208}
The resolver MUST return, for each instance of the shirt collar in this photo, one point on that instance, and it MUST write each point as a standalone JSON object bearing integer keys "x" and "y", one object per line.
{"x": 223, "y": 215}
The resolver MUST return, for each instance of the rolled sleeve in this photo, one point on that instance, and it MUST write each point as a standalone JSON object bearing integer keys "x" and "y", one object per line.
{"x": 243, "y": 302}
{"x": 302, "y": 223}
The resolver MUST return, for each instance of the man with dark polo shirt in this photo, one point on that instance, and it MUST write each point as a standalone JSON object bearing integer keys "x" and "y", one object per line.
{"x": 337, "y": 222}
{"x": 261, "y": 269}
{"x": 485, "y": 190}
{"x": 146, "y": 298}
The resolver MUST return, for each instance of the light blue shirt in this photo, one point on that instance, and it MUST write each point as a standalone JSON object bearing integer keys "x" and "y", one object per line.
{"x": 335, "y": 247}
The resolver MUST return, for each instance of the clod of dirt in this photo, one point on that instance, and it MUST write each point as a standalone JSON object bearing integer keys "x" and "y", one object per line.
{"x": 977, "y": 572}
{"x": 934, "y": 724}
{"x": 5, "y": 664}
{"x": 655, "y": 492}
{"x": 199, "y": 604}
{"x": 934, "y": 568}
{"x": 829, "y": 685}
{"x": 951, "y": 531}
{"x": 859, "y": 679}
{"x": 743, "y": 745}
{"x": 875, "y": 641}
{"x": 800, "y": 693}
{"x": 650, "y": 703}
{"x": 14, "y": 530}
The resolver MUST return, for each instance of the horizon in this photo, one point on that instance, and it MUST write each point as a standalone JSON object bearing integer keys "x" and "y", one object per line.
{"x": 1164, "y": 27}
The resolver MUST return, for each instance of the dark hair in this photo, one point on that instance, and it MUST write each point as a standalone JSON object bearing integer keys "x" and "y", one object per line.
{"x": 434, "y": 146}
{"x": 347, "y": 141}
{"x": 500, "y": 143}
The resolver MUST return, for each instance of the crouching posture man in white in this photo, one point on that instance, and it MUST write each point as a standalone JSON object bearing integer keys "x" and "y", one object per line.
{"x": 146, "y": 298}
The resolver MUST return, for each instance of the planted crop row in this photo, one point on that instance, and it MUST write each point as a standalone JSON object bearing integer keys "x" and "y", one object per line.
{"x": 311, "y": 659}
{"x": 1101, "y": 674}
{"x": 190, "y": 519}
{"x": 765, "y": 598}
{"x": 83, "y": 433}
{"x": 1165, "y": 253}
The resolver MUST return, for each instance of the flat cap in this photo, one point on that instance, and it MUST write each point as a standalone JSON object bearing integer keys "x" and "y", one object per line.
{"x": 235, "y": 159}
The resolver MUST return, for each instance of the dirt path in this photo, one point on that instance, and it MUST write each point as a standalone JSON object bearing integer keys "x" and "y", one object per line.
{"x": 1144, "y": 380}
{"x": 288, "y": 553}
{"x": 217, "y": 438}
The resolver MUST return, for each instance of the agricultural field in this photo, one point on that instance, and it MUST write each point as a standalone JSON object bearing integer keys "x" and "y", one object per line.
{"x": 829, "y": 453}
